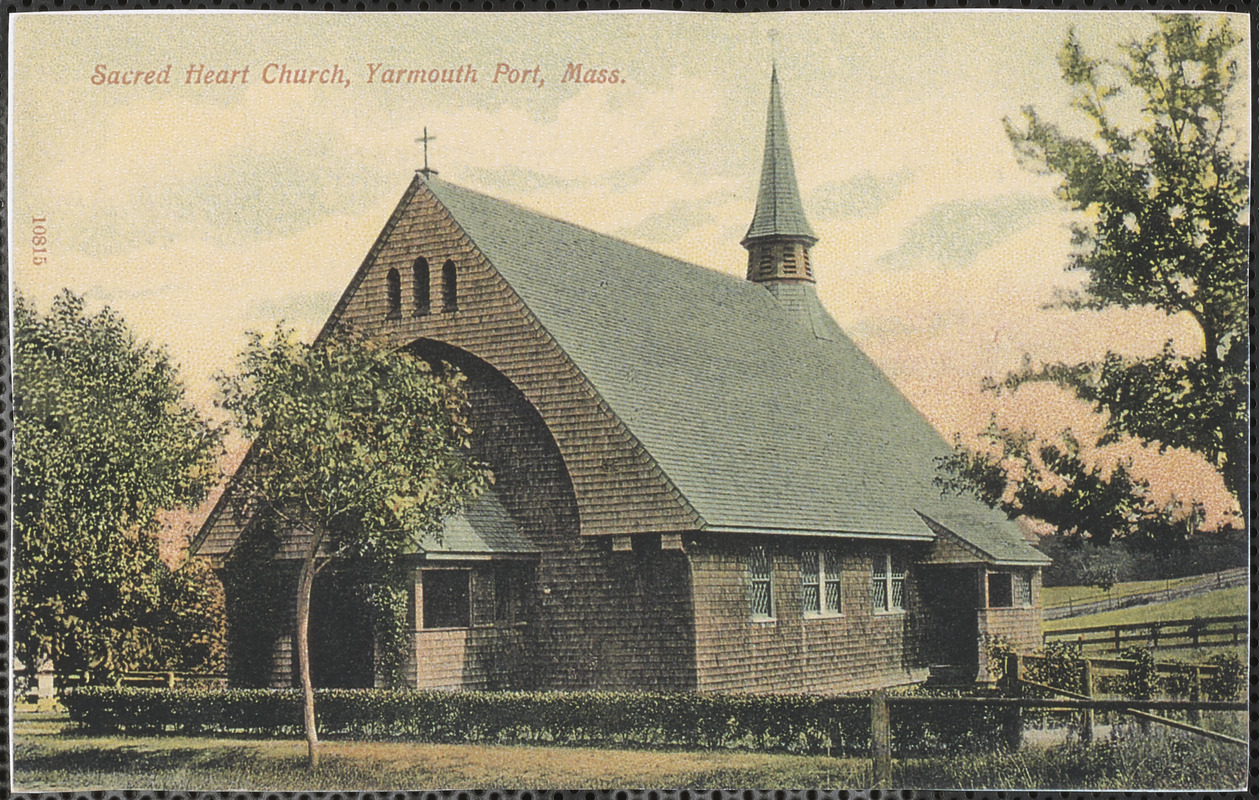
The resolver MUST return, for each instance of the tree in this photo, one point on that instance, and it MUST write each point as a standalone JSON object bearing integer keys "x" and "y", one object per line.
{"x": 1164, "y": 204}
{"x": 357, "y": 449}
{"x": 104, "y": 440}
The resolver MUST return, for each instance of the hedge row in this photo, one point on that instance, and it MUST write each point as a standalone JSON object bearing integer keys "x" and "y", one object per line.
{"x": 793, "y": 723}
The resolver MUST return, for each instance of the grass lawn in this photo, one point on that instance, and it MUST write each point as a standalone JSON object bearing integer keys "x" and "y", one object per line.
{"x": 1062, "y": 595}
{"x": 1216, "y": 603}
{"x": 50, "y": 756}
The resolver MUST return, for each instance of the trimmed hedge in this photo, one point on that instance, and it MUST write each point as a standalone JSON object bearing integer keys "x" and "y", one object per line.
{"x": 792, "y": 723}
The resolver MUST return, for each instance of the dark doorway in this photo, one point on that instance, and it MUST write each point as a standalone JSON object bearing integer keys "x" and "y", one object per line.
{"x": 341, "y": 634}
{"x": 951, "y": 595}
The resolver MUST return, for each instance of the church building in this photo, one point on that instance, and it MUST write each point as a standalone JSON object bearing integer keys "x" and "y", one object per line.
{"x": 701, "y": 482}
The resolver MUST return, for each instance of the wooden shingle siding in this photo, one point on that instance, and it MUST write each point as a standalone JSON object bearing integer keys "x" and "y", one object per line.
{"x": 858, "y": 650}
{"x": 1019, "y": 625}
{"x": 949, "y": 549}
{"x": 619, "y": 489}
{"x": 596, "y": 620}
{"x": 481, "y": 658}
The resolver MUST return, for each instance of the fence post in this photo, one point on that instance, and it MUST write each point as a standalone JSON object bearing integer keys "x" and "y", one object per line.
{"x": 1086, "y": 689}
{"x": 45, "y": 683}
{"x": 170, "y": 680}
{"x": 1195, "y": 695}
{"x": 1154, "y": 629}
{"x": 1195, "y": 630}
{"x": 881, "y": 739}
{"x": 1013, "y": 724}
{"x": 1013, "y": 667}
{"x": 1117, "y": 647}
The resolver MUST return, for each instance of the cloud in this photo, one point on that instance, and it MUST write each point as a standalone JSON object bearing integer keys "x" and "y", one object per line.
{"x": 862, "y": 194}
{"x": 675, "y": 221}
{"x": 953, "y": 234}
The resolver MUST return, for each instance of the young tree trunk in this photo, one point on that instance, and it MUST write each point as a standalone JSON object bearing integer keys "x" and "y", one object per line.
{"x": 304, "y": 584}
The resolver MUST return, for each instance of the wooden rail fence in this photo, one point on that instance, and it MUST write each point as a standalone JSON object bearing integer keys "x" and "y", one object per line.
{"x": 1174, "y": 589}
{"x": 1167, "y": 633}
{"x": 1014, "y": 701}
{"x": 43, "y": 684}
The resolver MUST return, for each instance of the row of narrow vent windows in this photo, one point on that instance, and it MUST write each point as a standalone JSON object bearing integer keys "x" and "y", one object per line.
{"x": 792, "y": 268}
{"x": 421, "y": 289}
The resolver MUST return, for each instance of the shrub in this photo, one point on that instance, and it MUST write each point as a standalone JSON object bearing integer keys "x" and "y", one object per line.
{"x": 1178, "y": 684}
{"x": 1062, "y": 667}
{"x": 998, "y": 649}
{"x": 1230, "y": 678}
{"x": 793, "y": 723}
{"x": 1141, "y": 681}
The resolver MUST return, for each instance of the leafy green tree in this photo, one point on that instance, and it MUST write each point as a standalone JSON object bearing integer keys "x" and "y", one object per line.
{"x": 358, "y": 450}
{"x": 191, "y": 635}
{"x": 104, "y": 440}
{"x": 1164, "y": 202}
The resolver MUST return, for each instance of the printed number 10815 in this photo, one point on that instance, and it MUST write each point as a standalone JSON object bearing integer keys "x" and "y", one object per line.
{"x": 39, "y": 241}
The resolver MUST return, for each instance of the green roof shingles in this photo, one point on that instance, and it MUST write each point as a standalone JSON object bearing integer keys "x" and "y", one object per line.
{"x": 763, "y": 419}
{"x": 482, "y": 527}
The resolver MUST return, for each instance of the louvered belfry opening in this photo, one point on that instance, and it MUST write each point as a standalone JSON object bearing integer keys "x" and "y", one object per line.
{"x": 779, "y": 238}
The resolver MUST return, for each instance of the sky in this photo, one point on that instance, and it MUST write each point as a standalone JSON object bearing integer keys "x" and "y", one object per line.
{"x": 200, "y": 212}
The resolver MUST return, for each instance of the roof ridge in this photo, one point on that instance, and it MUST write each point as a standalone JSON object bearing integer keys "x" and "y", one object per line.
{"x": 734, "y": 279}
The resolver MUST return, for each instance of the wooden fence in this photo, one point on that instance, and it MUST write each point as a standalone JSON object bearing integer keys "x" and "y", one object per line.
{"x": 1173, "y": 589}
{"x": 1014, "y": 701}
{"x": 43, "y": 685}
{"x": 1167, "y": 633}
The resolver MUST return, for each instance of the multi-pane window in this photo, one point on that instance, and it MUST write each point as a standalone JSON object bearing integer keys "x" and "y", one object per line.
{"x": 819, "y": 582}
{"x": 887, "y": 583}
{"x": 830, "y": 576}
{"x": 761, "y": 583}
{"x": 1025, "y": 589}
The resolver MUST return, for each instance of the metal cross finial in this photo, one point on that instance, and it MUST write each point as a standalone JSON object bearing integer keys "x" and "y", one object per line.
{"x": 426, "y": 139}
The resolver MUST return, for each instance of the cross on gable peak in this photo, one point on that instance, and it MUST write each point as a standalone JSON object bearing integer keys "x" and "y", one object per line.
{"x": 425, "y": 139}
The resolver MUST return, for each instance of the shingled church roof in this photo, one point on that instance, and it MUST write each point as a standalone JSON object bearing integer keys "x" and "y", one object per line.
{"x": 765, "y": 419}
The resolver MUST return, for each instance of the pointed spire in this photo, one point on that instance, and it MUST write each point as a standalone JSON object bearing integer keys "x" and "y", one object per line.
{"x": 779, "y": 211}
{"x": 779, "y": 237}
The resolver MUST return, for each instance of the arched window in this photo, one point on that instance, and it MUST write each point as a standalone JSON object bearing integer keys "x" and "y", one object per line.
{"x": 393, "y": 288}
{"x": 422, "y": 299}
{"x": 449, "y": 287}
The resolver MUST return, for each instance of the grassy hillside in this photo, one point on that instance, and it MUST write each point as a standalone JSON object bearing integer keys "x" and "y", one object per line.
{"x": 1216, "y": 603}
{"x": 1062, "y": 595}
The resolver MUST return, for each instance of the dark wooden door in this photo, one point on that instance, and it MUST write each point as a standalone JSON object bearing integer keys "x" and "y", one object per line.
{"x": 951, "y": 599}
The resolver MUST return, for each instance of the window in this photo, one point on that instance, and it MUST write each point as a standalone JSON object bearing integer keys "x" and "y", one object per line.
{"x": 450, "y": 286}
{"x": 446, "y": 601}
{"x": 887, "y": 583}
{"x": 421, "y": 287}
{"x": 760, "y": 570}
{"x": 1025, "y": 589}
{"x": 819, "y": 582}
{"x": 1000, "y": 590}
{"x": 393, "y": 290}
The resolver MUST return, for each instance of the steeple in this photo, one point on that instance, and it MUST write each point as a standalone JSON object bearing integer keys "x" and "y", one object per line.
{"x": 779, "y": 237}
